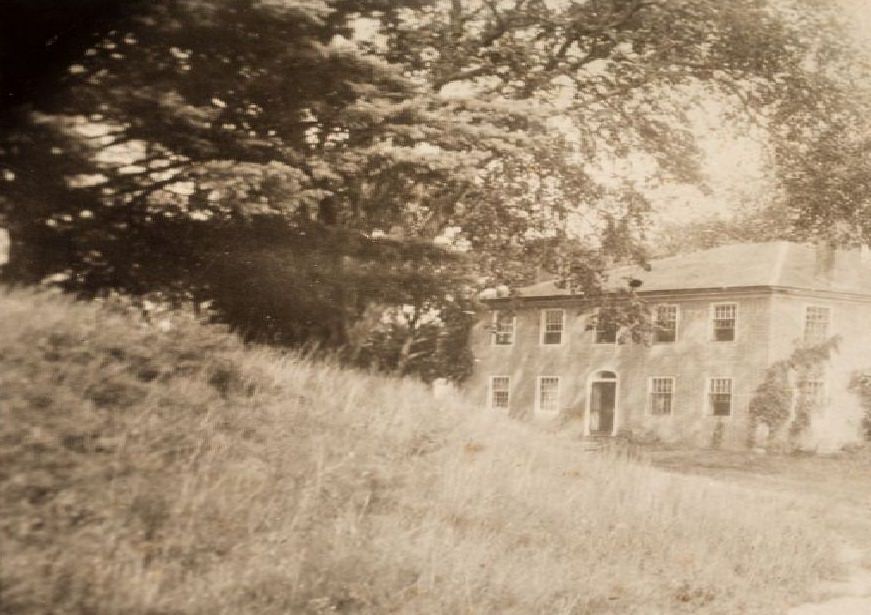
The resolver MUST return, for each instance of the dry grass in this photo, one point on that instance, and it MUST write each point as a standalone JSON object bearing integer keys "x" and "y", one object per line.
{"x": 144, "y": 471}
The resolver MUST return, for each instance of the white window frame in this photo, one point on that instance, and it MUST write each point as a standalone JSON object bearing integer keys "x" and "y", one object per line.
{"x": 543, "y": 326}
{"x": 713, "y": 320}
{"x": 650, "y": 393}
{"x": 495, "y": 329}
{"x": 676, "y": 321}
{"x": 596, "y": 341}
{"x": 709, "y": 406}
{"x": 538, "y": 392}
{"x": 491, "y": 390}
{"x": 807, "y": 308}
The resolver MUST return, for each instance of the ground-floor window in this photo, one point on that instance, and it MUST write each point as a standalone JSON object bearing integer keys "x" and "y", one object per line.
{"x": 500, "y": 391}
{"x": 548, "y": 394}
{"x": 661, "y": 395}
{"x": 720, "y": 396}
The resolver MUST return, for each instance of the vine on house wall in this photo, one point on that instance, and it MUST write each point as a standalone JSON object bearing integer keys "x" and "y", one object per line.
{"x": 774, "y": 402}
{"x": 771, "y": 403}
{"x": 861, "y": 385}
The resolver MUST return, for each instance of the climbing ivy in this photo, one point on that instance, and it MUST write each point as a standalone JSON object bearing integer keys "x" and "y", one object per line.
{"x": 861, "y": 385}
{"x": 773, "y": 402}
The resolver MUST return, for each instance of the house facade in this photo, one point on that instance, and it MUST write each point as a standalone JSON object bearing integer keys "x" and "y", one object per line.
{"x": 722, "y": 317}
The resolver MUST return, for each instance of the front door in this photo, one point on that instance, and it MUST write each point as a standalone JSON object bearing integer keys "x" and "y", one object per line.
{"x": 602, "y": 398}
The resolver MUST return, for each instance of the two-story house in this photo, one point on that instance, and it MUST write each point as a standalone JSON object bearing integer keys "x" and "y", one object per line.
{"x": 722, "y": 317}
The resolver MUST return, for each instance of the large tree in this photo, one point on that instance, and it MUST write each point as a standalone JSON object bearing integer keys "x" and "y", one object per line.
{"x": 208, "y": 146}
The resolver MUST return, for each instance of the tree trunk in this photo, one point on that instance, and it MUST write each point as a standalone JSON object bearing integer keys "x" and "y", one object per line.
{"x": 34, "y": 252}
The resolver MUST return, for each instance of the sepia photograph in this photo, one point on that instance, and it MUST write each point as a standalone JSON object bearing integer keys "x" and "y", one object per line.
{"x": 436, "y": 307}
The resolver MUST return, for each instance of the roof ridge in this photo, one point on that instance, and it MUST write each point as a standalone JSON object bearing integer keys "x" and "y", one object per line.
{"x": 737, "y": 265}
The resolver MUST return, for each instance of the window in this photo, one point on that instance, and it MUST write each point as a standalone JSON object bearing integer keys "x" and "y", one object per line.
{"x": 503, "y": 328}
{"x": 500, "y": 387}
{"x": 724, "y": 321}
{"x": 552, "y": 327}
{"x": 720, "y": 396}
{"x": 665, "y": 324}
{"x": 816, "y": 323}
{"x": 811, "y": 393}
{"x": 606, "y": 328}
{"x": 548, "y": 394}
{"x": 661, "y": 395}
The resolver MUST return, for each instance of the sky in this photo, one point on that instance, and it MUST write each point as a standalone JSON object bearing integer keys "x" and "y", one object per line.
{"x": 735, "y": 160}
{"x": 735, "y": 163}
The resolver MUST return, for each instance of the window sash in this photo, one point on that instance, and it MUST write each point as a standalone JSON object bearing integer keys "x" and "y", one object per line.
{"x": 548, "y": 393}
{"x": 553, "y": 327}
{"x": 500, "y": 391}
{"x": 605, "y": 331}
{"x": 724, "y": 319}
{"x": 661, "y": 395}
{"x": 503, "y": 328}
{"x": 720, "y": 396}
{"x": 665, "y": 324}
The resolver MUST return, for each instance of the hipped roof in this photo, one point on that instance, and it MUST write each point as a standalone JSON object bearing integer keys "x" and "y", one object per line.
{"x": 781, "y": 264}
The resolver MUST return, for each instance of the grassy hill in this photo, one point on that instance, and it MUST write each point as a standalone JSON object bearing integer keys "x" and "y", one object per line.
{"x": 165, "y": 468}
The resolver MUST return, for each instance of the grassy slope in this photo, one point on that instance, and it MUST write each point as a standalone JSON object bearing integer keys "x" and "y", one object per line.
{"x": 174, "y": 471}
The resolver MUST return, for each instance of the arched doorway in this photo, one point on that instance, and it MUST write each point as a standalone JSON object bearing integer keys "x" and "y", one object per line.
{"x": 602, "y": 403}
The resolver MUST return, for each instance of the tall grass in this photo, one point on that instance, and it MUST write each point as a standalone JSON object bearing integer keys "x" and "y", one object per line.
{"x": 165, "y": 469}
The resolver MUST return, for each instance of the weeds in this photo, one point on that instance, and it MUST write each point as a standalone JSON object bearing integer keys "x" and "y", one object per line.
{"x": 156, "y": 470}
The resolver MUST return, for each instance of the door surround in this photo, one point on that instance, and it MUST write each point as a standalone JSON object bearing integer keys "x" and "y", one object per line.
{"x": 609, "y": 375}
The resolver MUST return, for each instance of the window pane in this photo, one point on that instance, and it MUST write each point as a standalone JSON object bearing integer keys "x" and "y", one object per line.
{"x": 724, "y": 334}
{"x": 721, "y": 404}
{"x": 553, "y": 337}
{"x": 724, "y": 311}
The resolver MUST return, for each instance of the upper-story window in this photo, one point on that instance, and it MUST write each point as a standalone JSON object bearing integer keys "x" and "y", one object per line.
{"x": 816, "y": 323}
{"x": 606, "y": 328}
{"x": 503, "y": 328}
{"x": 725, "y": 316}
{"x": 552, "y": 324}
{"x": 720, "y": 396}
{"x": 500, "y": 391}
{"x": 665, "y": 324}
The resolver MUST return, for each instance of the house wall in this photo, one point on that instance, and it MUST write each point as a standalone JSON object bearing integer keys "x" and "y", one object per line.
{"x": 769, "y": 327}
{"x": 839, "y": 421}
{"x": 692, "y": 359}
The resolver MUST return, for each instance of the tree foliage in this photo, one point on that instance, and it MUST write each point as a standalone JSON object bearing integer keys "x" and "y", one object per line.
{"x": 860, "y": 385}
{"x": 289, "y": 159}
{"x": 774, "y": 222}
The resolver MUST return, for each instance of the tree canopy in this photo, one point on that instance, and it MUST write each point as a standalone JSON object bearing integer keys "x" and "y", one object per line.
{"x": 292, "y": 159}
